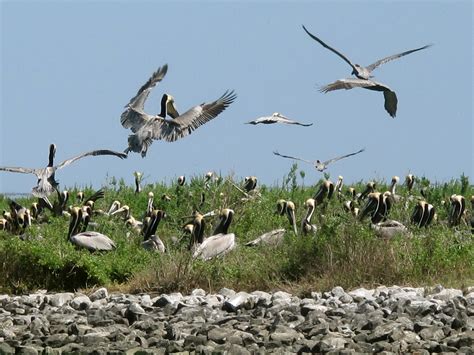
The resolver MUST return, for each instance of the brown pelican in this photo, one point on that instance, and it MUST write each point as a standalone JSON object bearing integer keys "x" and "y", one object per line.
{"x": 288, "y": 208}
{"x": 393, "y": 187}
{"x": 46, "y": 176}
{"x": 277, "y": 118}
{"x": 390, "y": 97}
{"x": 138, "y": 180}
{"x": 20, "y": 217}
{"x": 423, "y": 214}
{"x": 181, "y": 180}
{"x": 250, "y": 183}
{"x": 472, "y": 214}
{"x": 339, "y": 185}
{"x": 325, "y": 191}
{"x": 218, "y": 244}
{"x": 4, "y": 224}
{"x": 306, "y": 225}
{"x": 378, "y": 206}
{"x": 92, "y": 241}
{"x": 273, "y": 237}
{"x": 320, "y": 165}
{"x": 151, "y": 241}
{"x": 410, "y": 181}
{"x": 370, "y": 187}
{"x": 359, "y": 71}
{"x": 80, "y": 196}
{"x": 350, "y": 206}
{"x": 150, "y": 207}
{"x": 114, "y": 206}
{"x": 147, "y": 128}
{"x": 389, "y": 229}
{"x": 457, "y": 208}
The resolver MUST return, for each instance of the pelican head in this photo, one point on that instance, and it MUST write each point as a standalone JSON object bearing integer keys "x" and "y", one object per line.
{"x": 395, "y": 180}
{"x": 281, "y": 207}
{"x": 181, "y": 180}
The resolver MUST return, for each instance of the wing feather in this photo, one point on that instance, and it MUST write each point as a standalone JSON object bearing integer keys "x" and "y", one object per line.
{"x": 19, "y": 170}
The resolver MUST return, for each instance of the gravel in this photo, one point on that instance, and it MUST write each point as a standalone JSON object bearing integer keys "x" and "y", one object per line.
{"x": 386, "y": 319}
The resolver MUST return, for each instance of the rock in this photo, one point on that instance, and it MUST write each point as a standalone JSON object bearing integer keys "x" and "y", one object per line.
{"x": 100, "y": 294}
{"x": 60, "y": 299}
{"x": 239, "y": 300}
{"x": 81, "y": 302}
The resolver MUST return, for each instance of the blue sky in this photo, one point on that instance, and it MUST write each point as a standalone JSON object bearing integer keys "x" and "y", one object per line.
{"x": 68, "y": 69}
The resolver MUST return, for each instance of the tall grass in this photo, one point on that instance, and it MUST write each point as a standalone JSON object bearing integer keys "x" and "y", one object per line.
{"x": 343, "y": 252}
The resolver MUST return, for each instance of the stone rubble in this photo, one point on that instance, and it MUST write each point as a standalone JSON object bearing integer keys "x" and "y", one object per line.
{"x": 390, "y": 320}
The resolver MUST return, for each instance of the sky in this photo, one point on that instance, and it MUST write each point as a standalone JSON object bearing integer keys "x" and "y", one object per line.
{"x": 68, "y": 69}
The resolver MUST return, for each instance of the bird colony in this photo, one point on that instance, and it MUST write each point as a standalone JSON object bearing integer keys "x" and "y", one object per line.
{"x": 170, "y": 125}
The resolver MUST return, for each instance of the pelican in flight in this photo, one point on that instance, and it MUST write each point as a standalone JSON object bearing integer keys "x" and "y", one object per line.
{"x": 318, "y": 164}
{"x": 277, "y": 118}
{"x": 364, "y": 73}
{"x": 147, "y": 128}
{"x": 46, "y": 179}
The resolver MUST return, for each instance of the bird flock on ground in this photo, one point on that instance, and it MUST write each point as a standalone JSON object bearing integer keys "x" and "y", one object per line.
{"x": 169, "y": 125}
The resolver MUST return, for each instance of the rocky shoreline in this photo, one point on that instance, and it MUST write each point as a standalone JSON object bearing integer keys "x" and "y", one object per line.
{"x": 386, "y": 319}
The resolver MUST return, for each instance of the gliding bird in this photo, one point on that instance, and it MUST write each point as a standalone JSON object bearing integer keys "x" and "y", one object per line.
{"x": 320, "y": 165}
{"x": 46, "y": 179}
{"x": 277, "y": 118}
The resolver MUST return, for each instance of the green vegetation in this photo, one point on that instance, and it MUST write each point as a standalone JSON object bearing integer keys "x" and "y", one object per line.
{"x": 344, "y": 251}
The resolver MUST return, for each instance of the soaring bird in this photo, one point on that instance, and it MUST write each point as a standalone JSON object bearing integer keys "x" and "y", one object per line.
{"x": 147, "y": 128}
{"x": 277, "y": 118}
{"x": 390, "y": 97}
{"x": 364, "y": 73}
{"x": 320, "y": 165}
{"x": 46, "y": 179}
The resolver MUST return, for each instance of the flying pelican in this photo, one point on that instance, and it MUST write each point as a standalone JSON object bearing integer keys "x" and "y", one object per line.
{"x": 306, "y": 225}
{"x": 147, "y": 128}
{"x": 277, "y": 118}
{"x": 423, "y": 214}
{"x": 46, "y": 176}
{"x": 320, "y": 165}
{"x": 92, "y": 241}
{"x": 390, "y": 97}
{"x": 359, "y": 71}
{"x": 218, "y": 244}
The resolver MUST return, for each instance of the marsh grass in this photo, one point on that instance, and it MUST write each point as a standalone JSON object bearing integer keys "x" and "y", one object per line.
{"x": 344, "y": 251}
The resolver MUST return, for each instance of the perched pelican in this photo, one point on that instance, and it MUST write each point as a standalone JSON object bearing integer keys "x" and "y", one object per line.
{"x": 378, "y": 206}
{"x": 165, "y": 198}
{"x": 151, "y": 241}
{"x": 390, "y": 97}
{"x": 46, "y": 176}
{"x": 325, "y": 191}
{"x": 273, "y": 237}
{"x": 350, "y": 206}
{"x": 423, "y": 214}
{"x": 389, "y": 229}
{"x": 147, "y": 128}
{"x": 320, "y": 165}
{"x": 359, "y": 71}
{"x": 150, "y": 207}
{"x": 218, "y": 244}
{"x": 410, "y": 181}
{"x": 91, "y": 241}
{"x": 80, "y": 196}
{"x": 472, "y": 214}
{"x": 306, "y": 225}
{"x": 250, "y": 183}
{"x": 4, "y": 224}
{"x": 352, "y": 192}
{"x": 181, "y": 180}
{"x": 288, "y": 208}
{"x": 370, "y": 187}
{"x": 138, "y": 180}
{"x": 20, "y": 217}
{"x": 457, "y": 208}
{"x": 115, "y": 205}
{"x": 339, "y": 185}
{"x": 277, "y": 118}
{"x": 393, "y": 186}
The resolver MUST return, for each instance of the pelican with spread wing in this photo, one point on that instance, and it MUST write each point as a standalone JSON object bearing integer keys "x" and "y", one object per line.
{"x": 277, "y": 118}
{"x": 318, "y": 164}
{"x": 46, "y": 176}
{"x": 147, "y": 128}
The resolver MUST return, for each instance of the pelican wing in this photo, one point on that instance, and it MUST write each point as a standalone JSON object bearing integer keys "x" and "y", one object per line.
{"x": 290, "y": 157}
{"x": 91, "y": 153}
{"x": 391, "y": 102}
{"x": 373, "y": 66}
{"x": 342, "y": 157}
{"x": 214, "y": 246}
{"x": 172, "y": 130}
{"x": 331, "y": 49}
{"x": 19, "y": 170}
{"x": 134, "y": 114}
{"x": 284, "y": 119}
{"x": 93, "y": 241}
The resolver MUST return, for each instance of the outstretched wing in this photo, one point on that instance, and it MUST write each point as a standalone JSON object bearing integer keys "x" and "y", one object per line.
{"x": 284, "y": 119}
{"x": 18, "y": 170}
{"x": 342, "y": 157}
{"x": 351, "y": 83}
{"x": 373, "y": 66}
{"x": 172, "y": 130}
{"x": 134, "y": 113}
{"x": 92, "y": 153}
{"x": 331, "y": 49}
{"x": 290, "y": 157}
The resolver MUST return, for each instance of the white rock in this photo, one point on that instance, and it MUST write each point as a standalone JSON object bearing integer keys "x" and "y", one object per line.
{"x": 60, "y": 299}
{"x": 101, "y": 293}
{"x": 81, "y": 302}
